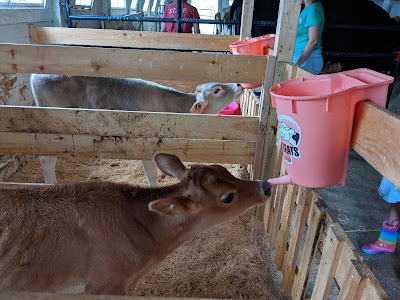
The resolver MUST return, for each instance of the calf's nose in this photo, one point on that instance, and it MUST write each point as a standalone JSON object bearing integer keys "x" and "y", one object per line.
{"x": 266, "y": 187}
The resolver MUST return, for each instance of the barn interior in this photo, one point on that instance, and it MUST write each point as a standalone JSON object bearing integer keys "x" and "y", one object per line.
{"x": 357, "y": 206}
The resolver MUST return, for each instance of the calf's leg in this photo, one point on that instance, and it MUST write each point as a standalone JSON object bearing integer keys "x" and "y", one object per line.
{"x": 48, "y": 164}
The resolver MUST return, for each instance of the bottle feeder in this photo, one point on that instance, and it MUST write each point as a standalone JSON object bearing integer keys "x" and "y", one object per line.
{"x": 315, "y": 120}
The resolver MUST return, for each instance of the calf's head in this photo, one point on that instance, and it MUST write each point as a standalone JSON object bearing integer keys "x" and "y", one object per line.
{"x": 208, "y": 193}
{"x": 212, "y": 97}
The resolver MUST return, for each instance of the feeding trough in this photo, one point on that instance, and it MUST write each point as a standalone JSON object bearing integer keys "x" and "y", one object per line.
{"x": 231, "y": 109}
{"x": 315, "y": 120}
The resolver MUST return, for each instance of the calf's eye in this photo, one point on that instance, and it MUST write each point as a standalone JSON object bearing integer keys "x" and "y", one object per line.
{"x": 227, "y": 198}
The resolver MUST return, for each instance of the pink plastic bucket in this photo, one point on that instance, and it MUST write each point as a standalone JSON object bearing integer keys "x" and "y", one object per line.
{"x": 231, "y": 109}
{"x": 260, "y": 45}
{"x": 315, "y": 120}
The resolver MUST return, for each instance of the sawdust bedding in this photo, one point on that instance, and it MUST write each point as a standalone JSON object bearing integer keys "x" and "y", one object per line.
{"x": 228, "y": 261}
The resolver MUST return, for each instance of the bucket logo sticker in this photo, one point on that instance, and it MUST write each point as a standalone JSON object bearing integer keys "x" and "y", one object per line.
{"x": 290, "y": 138}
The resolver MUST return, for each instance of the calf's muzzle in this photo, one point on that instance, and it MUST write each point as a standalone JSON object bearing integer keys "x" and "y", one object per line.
{"x": 266, "y": 187}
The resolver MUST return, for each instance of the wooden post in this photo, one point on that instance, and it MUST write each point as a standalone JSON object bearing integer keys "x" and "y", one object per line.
{"x": 247, "y": 19}
{"x": 286, "y": 29}
{"x": 266, "y": 135}
{"x": 283, "y": 51}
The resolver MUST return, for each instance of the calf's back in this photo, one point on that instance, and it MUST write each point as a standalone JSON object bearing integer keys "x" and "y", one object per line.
{"x": 131, "y": 94}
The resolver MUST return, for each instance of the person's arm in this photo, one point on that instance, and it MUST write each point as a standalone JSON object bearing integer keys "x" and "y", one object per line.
{"x": 313, "y": 34}
{"x": 163, "y": 27}
{"x": 196, "y": 28}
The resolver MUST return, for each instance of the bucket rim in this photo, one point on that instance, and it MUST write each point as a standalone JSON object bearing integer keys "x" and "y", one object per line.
{"x": 386, "y": 79}
{"x": 256, "y": 39}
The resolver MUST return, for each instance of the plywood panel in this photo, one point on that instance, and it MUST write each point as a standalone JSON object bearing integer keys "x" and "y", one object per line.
{"x": 151, "y": 65}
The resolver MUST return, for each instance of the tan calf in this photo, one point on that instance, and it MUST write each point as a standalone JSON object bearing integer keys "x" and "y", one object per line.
{"x": 101, "y": 237}
{"x": 132, "y": 94}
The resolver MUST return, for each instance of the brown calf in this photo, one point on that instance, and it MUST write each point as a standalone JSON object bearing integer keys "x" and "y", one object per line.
{"x": 101, "y": 237}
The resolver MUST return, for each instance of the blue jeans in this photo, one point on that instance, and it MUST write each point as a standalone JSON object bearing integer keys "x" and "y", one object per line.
{"x": 314, "y": 62}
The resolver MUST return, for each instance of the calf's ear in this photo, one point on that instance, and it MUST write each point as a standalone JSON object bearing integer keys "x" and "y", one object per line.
{"x": 175, "y": 206}
{"x": 170, "y": 165}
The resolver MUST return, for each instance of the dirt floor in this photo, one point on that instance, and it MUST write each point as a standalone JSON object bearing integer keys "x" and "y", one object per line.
{"x": 228, "y": 261}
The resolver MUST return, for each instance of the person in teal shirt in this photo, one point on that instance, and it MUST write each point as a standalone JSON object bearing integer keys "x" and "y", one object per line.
{"x": 307, "y": 50}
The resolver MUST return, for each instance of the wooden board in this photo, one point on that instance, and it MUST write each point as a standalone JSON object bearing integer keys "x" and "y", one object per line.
{"x": 98, "y": 146}
{"x": 131, "y": 39}
{"x": 247, "y": 19}
{"x": 313, "y": 235}
{"x": 185, "y": 86}
{"x": 288, "y": 210}
{"x": 151, "y": 65}
{"x": 14, "y": 119}
{"x": 355, "y": 280}
{"x": 332, "y": 250}
{"x": 376, "y": 137}
{"x": 126, "y": 135}
{"x": 286, "y": 29}
{"x": 266, "y": 138}
{"x": 304, "y": 202}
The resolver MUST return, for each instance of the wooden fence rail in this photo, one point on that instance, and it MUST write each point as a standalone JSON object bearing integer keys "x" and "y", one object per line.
{"x": 126, "y": 135}
{"x": 130, "y": 39}
{"x": 150, "y": 64}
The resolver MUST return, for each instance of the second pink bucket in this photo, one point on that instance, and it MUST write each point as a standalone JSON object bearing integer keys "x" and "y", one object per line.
{"x": 231, "y": 109}
{"x": 260, "y": 45}
{"x": 315, "y": 120}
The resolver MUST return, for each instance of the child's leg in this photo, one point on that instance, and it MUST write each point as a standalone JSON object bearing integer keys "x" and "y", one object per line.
{"x": 389, "y": 233}
{"x": 394, "y": 213}
{"x": 390, "y": 228}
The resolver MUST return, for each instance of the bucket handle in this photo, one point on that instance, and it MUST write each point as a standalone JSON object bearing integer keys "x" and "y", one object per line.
{"x": 327, "y": 104}
{"x": 293, "y": 106}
